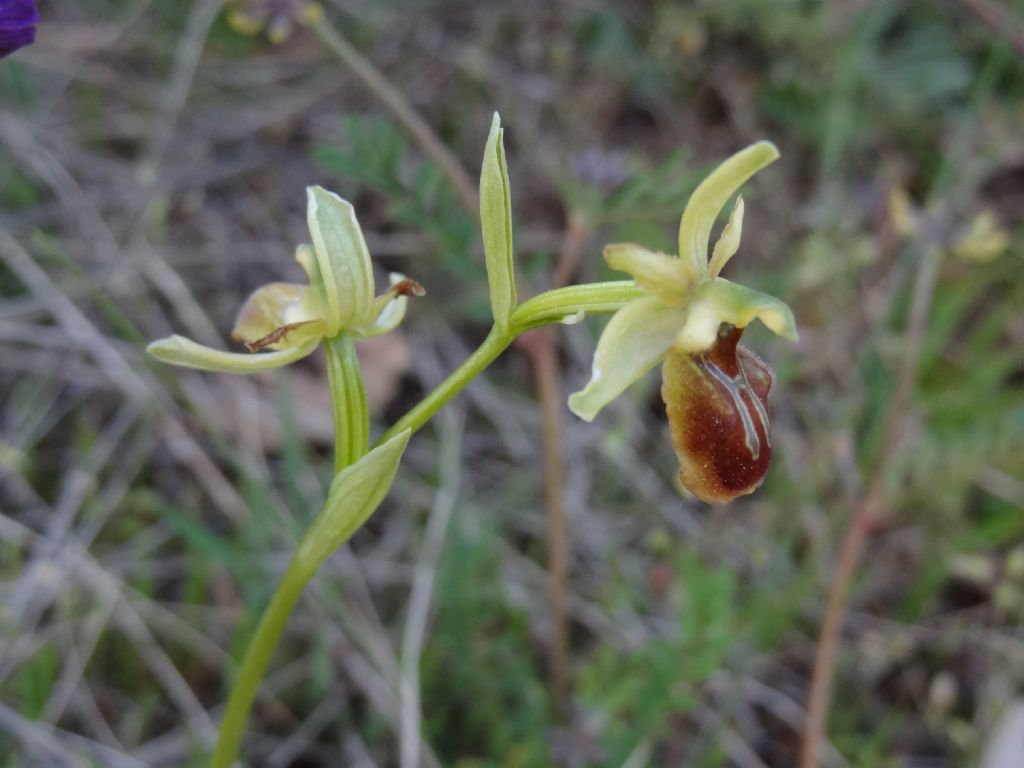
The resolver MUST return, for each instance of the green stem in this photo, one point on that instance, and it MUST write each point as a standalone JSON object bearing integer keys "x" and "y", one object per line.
{"x": 563, "y": 304}
{"x": 351, "y": 441}
{"x": 495, "y": 343}
{"x": 262, "y": 645}
{"x": 544, "y": 309}
{"x": 351, "y": 433}
{"x": 348, "y": 401}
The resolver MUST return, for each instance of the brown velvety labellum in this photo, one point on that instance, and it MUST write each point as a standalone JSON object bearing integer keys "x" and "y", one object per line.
{"x": 717, "y": 404}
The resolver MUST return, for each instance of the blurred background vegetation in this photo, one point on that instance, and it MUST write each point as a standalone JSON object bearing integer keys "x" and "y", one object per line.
{"x": 152, "y": 171}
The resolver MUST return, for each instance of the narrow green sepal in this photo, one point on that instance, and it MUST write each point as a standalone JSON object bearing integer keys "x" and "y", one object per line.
{"x": 178, "y": 350}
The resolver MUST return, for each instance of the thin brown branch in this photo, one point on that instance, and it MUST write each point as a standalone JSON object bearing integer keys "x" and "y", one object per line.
{"x": 542, "y": 348}
{"x": 868, "y": 514}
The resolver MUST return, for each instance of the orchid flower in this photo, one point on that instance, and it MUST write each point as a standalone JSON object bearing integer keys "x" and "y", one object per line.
{"x": 291, "y": 319}
{"x": 715, "y": 391}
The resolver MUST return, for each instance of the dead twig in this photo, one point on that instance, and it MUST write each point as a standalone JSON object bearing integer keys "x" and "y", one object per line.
{"x": 869, "y": 512}
{"x": 541, "y": 346}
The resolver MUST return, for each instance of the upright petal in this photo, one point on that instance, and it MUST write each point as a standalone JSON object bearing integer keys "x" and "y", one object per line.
{"x": 658, "y": 274}
{"x": 635, "y": 339}
{"x": 712, "y": 194}
{"x": 178, "y": 350}
{"x": 729, "y": 241}
{"x": 721, "y": 301}
{"x": 343, "y": 258}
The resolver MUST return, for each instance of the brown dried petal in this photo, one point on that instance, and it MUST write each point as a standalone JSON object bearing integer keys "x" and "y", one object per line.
{"x": 717, "y": 403}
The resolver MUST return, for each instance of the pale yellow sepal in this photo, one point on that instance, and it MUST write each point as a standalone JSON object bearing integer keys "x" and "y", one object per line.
{"x": 178, "y": 350}
{"x": 710, "y": 197}
{"x": 635, "y": 340}
{"x": 343, "y": 261}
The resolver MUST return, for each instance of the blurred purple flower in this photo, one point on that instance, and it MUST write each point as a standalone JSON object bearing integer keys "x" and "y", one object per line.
{"x": 18, "y": 19}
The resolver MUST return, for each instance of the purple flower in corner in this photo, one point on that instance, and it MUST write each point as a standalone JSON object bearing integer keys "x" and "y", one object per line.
{"x": 18, "y": 19}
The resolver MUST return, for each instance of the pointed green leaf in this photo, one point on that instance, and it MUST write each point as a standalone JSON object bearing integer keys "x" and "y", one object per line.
{"x": 343, "y": 259}
{"x": 636, "y": 338}
{"x": 355, "y": 494}
{"x": 177, "y": 350}
{"x": 496, "y": 225}
{"x": 712, "y": 194}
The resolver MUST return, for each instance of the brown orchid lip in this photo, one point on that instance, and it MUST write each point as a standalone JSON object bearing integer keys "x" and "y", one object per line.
{"x": 717, "y": 404}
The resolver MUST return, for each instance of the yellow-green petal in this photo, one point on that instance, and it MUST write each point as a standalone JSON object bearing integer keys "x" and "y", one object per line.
{"x": 729, "y": 241}
{"x": 343, "y": 259}
{"x": 712, "y": 194}
{"x": 658, "y": 274}
{"x": 177, "y": 350}
{"x": 389, "y": 308}
{"x": 721, "y": 301}
{"x": 636, "y": 338}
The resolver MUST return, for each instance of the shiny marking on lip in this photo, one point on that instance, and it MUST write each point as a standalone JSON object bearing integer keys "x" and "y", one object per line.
{"x": 733, "y": 387}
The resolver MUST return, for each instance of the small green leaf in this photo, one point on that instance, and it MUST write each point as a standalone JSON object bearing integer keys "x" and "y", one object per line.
{"x": 496, "y": 224}
{"x": 355, "y": 494}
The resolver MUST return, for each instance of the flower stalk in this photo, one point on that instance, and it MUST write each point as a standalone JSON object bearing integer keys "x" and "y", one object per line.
{"x": 348, "y": 401}
{"x": 675, "y": 309}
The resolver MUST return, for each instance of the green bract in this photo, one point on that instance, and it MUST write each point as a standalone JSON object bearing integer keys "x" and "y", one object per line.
{"x": 291, "y": 319}
{"x": 496, "y": 226}
{"x": 355, "y": 493}
{"x": 685, "y": 300}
